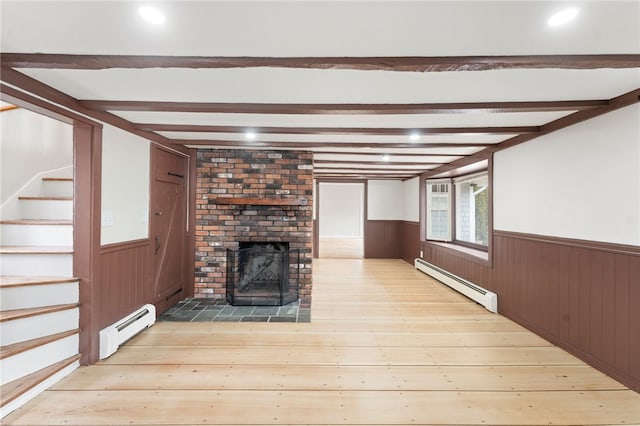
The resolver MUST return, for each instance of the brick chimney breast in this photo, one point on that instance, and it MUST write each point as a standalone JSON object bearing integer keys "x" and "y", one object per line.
{"x": 271, "y": 200}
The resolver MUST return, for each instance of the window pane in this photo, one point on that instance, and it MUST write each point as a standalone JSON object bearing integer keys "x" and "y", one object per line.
{"x": 438, "y": 211}
{"x": 472, "y": 211}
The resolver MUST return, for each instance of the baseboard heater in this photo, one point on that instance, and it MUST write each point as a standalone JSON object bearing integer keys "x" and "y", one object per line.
{"x": 484, "y": 297}
{"x": 116, "y": 334}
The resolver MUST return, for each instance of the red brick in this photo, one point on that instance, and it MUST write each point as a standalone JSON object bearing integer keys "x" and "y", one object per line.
{"x": 230, "y": 223}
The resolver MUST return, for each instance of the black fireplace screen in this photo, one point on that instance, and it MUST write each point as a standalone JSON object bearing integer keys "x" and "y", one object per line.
{"x": 262, "y": 274}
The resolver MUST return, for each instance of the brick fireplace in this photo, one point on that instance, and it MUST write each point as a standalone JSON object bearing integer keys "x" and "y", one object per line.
{"x": 245, "y": 196}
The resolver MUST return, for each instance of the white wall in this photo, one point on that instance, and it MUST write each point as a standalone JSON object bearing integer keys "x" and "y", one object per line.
{"x": 341, "y": 206}
{"x": 385, "y": 200}
{"x": 411, "y": 198}
{"x": 125, "y": 186}
{"x": 580, "y": 182}
{"x": 31, "y": 143}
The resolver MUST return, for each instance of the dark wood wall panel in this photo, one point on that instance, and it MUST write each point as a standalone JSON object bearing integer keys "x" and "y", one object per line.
{"x": 383, "y": 239}
{"x": 125, "y": 281}
{"x": 316, "y": 239}
{"x": 410, "y": 241}
{"x": 634, "y": 317}
{"x": 470, "y": 269}
{"x": 583, "y": 296}
{"x": 622, "y": 314}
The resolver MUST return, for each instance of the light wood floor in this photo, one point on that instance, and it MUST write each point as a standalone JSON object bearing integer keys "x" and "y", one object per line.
{"x": 341, "y": 248}
{"x": 386, "y": 345}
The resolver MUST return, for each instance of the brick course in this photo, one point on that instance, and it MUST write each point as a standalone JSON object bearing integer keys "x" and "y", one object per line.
{"x": 246, "y": 173}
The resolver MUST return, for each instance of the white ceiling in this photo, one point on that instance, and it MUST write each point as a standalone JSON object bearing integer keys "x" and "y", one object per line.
{"x": 276, "y": 85}
{"x": 361, "y": 139}
{"x": 319, "y": 28}
{"x": 331, "y": 120}
{"x": 351, "y": 29}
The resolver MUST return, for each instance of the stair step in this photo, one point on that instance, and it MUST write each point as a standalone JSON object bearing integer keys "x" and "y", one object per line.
{"x": 18, "y": 348}
{"x": 30, "y": 312}
{"x": 32, "y": 232}
{"x": 46, "y": 208}
{"x": 18, "y": 292}
{"x": 55, "y": 179}
{"x": 32, "y": 356}
{"x": 7, "y": 108}
{"x": 12, "y": 390}
{"x": 34, "y": 327}
{"x": 57, "y": 187}
{"x": 46, "y": 198}
{"x": 36, "y": 250}
{"x": 50, "y": 261}
{"x": 36, "y": 222}
{"x": 10, "y": 281}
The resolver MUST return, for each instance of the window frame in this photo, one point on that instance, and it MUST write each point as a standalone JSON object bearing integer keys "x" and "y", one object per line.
{"x": 451, "y": 211}
{"x": 462, "y": 179}
{"x": 473, "y": 251}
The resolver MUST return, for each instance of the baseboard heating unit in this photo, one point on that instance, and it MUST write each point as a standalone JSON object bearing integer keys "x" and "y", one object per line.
{"x": 113, "y": 336}
{"x": 484, "y": 297}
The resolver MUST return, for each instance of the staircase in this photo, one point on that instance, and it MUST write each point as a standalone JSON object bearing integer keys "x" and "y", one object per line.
{"x": 39, "y": 314}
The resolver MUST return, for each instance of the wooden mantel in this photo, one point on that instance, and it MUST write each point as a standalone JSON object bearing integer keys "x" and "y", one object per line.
{"x": 260, "y": 201}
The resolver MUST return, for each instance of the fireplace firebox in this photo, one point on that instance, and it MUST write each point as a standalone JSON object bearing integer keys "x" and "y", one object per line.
{"x": 262, "y": 274}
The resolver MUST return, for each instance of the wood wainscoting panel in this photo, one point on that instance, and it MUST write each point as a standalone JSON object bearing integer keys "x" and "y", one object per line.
{"x": 383, "y": 239}
{"x": 461, "y": 264}
{"x": 634, "y": 317}
{"x": 580, "y": 295}
{"x": 410, "y": 241}
{"x": 125, "y": 279}
{"x": 583, "y": 296}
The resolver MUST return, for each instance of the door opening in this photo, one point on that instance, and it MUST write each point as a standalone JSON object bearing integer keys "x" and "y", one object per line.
{"x": 341, "y": 211}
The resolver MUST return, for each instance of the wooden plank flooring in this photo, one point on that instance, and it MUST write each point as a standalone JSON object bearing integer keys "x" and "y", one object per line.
{"x": 386, "y": 346}
{"x": 340, "y": 248}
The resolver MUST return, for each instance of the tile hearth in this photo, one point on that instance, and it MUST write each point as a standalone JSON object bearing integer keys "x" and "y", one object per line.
{"x": 212, "y": 310}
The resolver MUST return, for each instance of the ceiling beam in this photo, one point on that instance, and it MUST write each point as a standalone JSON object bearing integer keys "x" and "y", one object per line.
{"x": 369, "y": 170}
{"x": 364, "y": 172}
{"x": 156, "y": 127}
{"x": 44, "y": 91}
{"x": 618, "y": 102}
{"x": 363, "y": 176}
{"x": 379, "y": 163}
{"x": 41, "y": 106}
{"x": 311, "y": 145}
{"x": 370, "y": 152}
{"x": 349, "y": 109}
{"x": 376, "y": 169}
{"x": 388, "y": 63}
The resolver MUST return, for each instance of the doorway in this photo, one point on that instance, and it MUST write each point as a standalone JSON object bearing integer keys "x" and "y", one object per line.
{"x": 68, "y": 173}
{"x": 341, "y": 213}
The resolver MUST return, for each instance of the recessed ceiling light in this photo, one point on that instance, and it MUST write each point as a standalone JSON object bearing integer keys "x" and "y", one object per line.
{"x": 152, "y": 15}
{"x": 414, "y": 136}
{"x": 386, "y": 157}
{"x": 562, "y": 17}
{"x": 250, "y": 135}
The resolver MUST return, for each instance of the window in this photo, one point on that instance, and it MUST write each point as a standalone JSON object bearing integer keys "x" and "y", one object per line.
{"x": 468, "y": 198}
{"x": 438, "y": 211}
{"x": 472, "y": 209}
